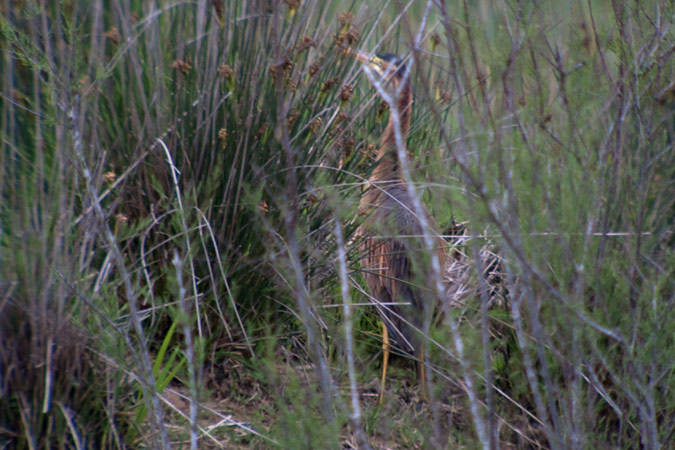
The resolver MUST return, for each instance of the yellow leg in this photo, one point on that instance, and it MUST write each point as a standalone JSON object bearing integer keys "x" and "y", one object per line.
{"x": 385, "y": 359}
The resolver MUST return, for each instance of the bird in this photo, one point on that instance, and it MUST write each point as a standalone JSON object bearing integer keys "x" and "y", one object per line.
{"x": 390, "y": 262}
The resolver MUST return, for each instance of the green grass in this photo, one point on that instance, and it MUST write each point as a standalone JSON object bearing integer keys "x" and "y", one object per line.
{"x": 170, "y": 181}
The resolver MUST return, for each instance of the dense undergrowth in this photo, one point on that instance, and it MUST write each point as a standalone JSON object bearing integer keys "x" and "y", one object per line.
{"x": 178, "y": 181}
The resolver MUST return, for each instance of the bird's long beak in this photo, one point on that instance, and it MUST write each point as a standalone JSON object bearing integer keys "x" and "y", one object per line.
{"x": 371, "y": 61}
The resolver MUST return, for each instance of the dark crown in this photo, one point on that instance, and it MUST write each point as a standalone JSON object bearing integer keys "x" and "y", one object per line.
{"x": 396, "y": 61}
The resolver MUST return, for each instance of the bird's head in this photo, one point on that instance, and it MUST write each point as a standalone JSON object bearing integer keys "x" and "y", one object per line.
{"x": 388, "y": 66}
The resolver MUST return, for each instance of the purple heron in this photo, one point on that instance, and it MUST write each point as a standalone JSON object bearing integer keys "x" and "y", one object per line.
{"x": 388, "y": 257}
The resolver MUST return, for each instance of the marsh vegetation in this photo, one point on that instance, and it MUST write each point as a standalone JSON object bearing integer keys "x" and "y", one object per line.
{"x": 179, "y": 191}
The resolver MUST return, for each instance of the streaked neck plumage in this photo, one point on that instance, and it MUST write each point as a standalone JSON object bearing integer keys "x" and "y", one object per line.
{"x": 388, "y": 164}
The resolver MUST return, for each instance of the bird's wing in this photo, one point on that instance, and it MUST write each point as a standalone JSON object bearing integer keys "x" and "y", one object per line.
{"x": 388, "y": 273}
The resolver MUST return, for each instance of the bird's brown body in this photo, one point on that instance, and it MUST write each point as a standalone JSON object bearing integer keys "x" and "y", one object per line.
{"x": 394, "y": 258}
{"x": 390, "y": 245}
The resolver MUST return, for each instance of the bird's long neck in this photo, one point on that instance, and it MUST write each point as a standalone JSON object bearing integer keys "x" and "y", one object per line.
{"x": 388, "y": 165}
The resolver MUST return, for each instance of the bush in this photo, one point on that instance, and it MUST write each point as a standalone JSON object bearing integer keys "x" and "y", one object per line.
{"x": 178, "y": 181}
